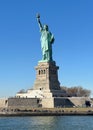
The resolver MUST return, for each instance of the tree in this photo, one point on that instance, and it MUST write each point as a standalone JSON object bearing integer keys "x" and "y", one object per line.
{"x": 22, "y": 91}
{"x": 77, "y": 91}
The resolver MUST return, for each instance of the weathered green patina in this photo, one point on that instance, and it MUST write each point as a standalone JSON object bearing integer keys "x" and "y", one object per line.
{"x": 46, "y": 39}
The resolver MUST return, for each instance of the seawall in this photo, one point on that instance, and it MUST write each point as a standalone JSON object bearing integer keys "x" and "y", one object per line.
{"x": 48, "y": 112}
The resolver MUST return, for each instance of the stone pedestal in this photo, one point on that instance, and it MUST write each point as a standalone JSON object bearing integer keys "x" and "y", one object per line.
{"x": 47, "y": 80}
{"x": 47, "y": 76}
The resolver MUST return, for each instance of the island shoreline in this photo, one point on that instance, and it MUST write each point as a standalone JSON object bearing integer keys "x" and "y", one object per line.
{"x": 13, "y": 114}
{"x": 77, "y": 111}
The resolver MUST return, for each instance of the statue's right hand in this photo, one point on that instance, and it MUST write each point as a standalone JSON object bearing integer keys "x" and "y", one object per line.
{"x": 37, "y": 15}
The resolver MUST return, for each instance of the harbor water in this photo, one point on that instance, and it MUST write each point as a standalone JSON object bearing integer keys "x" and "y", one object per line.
{"x": 47, "y": 123}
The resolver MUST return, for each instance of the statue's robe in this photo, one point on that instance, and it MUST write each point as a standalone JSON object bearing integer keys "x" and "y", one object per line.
{"x": 46, "y": 44}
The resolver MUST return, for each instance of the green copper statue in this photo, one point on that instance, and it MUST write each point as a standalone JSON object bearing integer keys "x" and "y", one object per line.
{"x": 46, "y": 39}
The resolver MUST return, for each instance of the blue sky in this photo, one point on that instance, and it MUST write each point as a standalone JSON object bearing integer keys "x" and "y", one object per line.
{"x": 71, "y": 22}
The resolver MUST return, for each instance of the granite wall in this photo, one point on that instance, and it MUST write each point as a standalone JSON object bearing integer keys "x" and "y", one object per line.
{"x": 23, "y": 102}
{"x": 62, "y": 102}
{"x": 3, "y": 102}
{"x": 56, "y": 102}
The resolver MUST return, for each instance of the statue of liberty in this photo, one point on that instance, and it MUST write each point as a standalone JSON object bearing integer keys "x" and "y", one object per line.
{"x": 46, "y": 39}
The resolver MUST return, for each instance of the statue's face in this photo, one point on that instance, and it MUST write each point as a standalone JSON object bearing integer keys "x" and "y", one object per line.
{"x": 46, "y": 27}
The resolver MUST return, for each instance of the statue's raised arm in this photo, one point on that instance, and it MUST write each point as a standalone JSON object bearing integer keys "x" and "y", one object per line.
{"x": 38, "y": 20}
